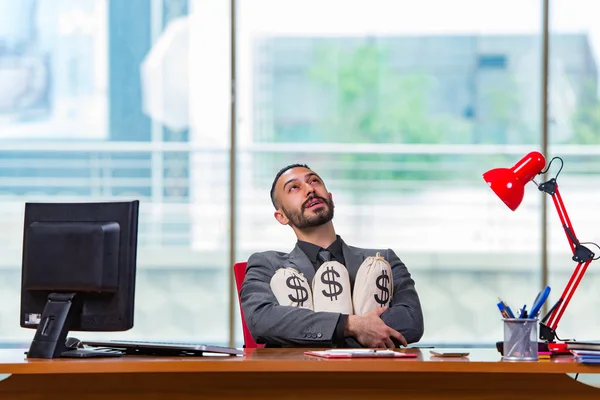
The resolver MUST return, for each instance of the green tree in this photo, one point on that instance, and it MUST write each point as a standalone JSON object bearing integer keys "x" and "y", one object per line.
{"x": 372, "y": 103}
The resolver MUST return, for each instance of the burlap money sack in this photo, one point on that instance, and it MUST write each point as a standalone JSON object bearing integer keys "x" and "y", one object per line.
{"x": 331, "y": 288}
{"x": 374, "y": 285}
{"x": 291, "y": 288}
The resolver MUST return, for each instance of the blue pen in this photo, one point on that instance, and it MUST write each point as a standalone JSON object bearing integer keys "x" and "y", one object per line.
{"x": 502, "y": 310}
{"x": 539, "y": 301}
{"x": 523, "y": 312}
{"x": 507, "y": 308}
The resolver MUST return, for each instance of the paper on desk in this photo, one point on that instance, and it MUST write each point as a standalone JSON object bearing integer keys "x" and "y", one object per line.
{"x": 359, "y": 353}
{"x": 586, "y": 353}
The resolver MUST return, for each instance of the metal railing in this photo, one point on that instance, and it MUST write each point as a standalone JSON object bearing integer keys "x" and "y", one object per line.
{"x": 392, "y": 177}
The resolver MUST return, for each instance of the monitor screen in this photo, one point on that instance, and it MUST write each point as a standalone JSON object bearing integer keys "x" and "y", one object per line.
{"x": 78, "y": 271}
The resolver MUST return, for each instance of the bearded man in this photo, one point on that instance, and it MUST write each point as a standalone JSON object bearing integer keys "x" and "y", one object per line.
{"x": 302, "y": 202}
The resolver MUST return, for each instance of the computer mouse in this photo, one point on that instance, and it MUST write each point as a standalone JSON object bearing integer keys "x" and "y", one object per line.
{"x": 73, "y": 343}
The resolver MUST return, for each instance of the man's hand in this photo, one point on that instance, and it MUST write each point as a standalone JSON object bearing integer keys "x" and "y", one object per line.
{"x": 370, "y": 330}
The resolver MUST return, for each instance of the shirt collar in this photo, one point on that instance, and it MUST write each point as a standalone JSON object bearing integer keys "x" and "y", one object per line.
{"x": 312, "y": 250}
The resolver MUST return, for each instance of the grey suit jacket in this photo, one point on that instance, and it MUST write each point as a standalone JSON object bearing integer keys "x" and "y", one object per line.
{"x": 274, "y": 324}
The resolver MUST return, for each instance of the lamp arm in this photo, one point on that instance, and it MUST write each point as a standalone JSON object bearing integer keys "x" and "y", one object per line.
{"x": 581, "y": 254}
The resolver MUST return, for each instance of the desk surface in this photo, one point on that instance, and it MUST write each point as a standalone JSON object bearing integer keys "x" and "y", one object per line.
{"x": 289, "y": 360}
{"x": 275, "y": 374}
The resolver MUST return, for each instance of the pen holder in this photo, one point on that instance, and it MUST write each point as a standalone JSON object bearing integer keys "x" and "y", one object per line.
{"x": 520, "y": 339}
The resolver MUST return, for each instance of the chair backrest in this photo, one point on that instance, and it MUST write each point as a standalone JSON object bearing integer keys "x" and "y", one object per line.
{"x": 239, "y": 271}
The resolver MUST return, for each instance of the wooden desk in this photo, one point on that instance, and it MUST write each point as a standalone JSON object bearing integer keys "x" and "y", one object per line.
{"x": 288, "y": 374}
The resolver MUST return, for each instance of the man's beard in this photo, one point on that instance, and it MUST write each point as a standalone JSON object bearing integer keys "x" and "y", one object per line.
{"x": 321, "y": 216}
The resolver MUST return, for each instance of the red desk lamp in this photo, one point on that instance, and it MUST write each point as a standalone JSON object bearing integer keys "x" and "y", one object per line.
{"x": 509, "y": 185}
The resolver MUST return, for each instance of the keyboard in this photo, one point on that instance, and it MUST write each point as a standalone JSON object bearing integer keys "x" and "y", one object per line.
{"x": 160, "y": 348}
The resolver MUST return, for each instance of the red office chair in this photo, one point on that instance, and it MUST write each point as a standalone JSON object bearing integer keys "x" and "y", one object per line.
{"x": 239, "y": 271}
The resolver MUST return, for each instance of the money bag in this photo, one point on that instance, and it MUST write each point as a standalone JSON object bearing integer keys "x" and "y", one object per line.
{"x": 291, "y": 288}
{"x": 374, "y": 285}
{"x": 331, "y": 288}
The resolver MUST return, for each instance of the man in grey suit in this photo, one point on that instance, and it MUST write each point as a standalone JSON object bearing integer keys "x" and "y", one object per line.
{"x": 302, "y": 201}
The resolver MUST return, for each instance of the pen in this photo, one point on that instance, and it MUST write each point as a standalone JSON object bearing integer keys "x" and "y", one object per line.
{"x": 540, "y": 299}
{"x": 502, "y": 310}
{"x": 507, "y": 308}
{"x": 523, "y": 312}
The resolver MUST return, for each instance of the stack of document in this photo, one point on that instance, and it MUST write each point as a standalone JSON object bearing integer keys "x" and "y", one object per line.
{"x": 587, "y": 345}
{"x": 587, "y": 356}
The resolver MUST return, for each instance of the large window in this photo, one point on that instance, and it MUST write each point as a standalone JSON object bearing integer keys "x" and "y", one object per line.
{"x": 574, "y": 135}
{"x": 399, "y": 105}
{"x": 96, "y": 104}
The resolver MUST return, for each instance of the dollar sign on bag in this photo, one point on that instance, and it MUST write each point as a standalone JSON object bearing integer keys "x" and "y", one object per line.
{"x": 382, "y": 282}
{"x": 293, "y": 282}
{"x": 328, "y": 278}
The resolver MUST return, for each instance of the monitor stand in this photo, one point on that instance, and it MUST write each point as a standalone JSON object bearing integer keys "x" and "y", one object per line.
{"x": 51, "y": 334}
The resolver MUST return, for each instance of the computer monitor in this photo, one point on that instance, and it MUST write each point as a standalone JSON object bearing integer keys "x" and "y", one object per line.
{"x": 78, "y": 272}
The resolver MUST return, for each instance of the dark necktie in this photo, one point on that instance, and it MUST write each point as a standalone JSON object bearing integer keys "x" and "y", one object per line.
{"x": 324, "y": 256}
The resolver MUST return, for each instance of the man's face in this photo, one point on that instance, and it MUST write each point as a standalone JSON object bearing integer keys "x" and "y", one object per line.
{"x": 302, "y": 199}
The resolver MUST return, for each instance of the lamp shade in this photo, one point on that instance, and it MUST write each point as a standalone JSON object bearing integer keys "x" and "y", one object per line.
{"x": 509, "y": 183}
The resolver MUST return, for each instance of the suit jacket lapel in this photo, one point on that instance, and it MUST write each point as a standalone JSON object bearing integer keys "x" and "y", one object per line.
{"x": 354, "y": 258}
{"x": 300, "y": 262}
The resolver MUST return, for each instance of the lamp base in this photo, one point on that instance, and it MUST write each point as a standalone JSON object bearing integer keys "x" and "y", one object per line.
{"x": 547, "y": 333}
{"x": 542, "y": 347}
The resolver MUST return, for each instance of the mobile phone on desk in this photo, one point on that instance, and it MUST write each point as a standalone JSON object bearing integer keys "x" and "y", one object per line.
{"x": 448, "y": 353}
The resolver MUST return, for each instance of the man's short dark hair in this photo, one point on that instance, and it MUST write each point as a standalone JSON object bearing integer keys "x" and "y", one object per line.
{"x": 281, "y": 171}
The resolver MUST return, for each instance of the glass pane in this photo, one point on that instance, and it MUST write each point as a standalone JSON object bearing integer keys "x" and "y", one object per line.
{"x": 574, "y": 123}
{"x": 96, "y": 105}
{"x": 400, "y": 106}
